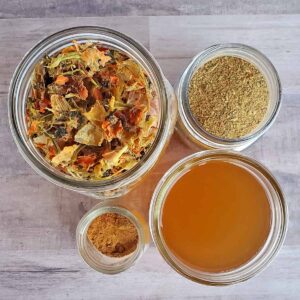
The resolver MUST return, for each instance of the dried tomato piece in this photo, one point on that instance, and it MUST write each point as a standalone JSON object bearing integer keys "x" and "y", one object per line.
{"x": 86, "y": 161}
{"x": 135, "y": 116}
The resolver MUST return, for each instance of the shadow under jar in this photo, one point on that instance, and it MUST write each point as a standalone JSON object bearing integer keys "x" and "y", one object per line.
{"x": 225, "y": 231}
{"x": 21, "y": 86}
{"x": 192, "y": 132}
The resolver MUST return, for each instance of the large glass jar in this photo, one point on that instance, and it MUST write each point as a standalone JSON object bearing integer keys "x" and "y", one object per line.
{"x": 20, "y": 88}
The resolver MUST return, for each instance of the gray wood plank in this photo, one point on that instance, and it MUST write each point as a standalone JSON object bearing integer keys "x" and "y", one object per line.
{"x": 277, "y": 37}
{"x": 37, "y": 215}
{"x": 56, "y": 8}
{"x": 60, "y": 274}
{"x": 279, "y": 150}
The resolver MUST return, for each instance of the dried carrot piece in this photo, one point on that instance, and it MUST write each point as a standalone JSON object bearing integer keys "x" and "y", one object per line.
{"x": 114, "y": 79}
{"x": 43, "y": 104}
{"x": 33, "y": 128}
{"x": 52, "y": 152}
{"x": 118, "y": 128}
{"x": 86, "y": 160}
{"x": 83, "y": 93}
{"x": 135, "y": 116}
{"x": 96, "y": 93}
{"x": 68, "y": 49}
{"x": 61, "y": 80}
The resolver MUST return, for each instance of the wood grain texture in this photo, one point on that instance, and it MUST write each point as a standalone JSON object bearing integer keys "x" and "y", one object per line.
{"x": 38, "y": 220}
{"x": 84, "y": 8}
{"x": 60, "y": 274}
{"x": 277, "y": 37}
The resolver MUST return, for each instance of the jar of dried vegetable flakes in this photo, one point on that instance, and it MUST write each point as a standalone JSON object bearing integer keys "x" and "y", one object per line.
{"x": 20, "y": 90}
{"x": 188, "y": 127}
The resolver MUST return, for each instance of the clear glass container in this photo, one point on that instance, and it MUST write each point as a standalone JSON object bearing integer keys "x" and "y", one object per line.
{"x": 103, "y": 263}
{"x": 190, "y": 130}
{"x": 20, "y": 88}
{"x": 279, "y": 218}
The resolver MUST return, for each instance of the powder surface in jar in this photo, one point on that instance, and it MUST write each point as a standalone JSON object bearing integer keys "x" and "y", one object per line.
{"x": 216, "y": 217}
{"x": 113, "y": 235}
{"x": 228, "y": 97}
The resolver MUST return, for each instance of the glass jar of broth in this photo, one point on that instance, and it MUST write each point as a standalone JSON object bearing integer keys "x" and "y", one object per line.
{"x": 218, "y": 217}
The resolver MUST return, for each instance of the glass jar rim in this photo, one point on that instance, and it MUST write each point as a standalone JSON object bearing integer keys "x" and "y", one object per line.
{"x": 139, "y": 52}
{"x": 263, "y": 257}
{"x": 81, "y": 236}
{"x": 193, "y": 127}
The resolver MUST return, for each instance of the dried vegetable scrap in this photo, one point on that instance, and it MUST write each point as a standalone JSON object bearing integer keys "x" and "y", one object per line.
{"x": 92, "y": 112}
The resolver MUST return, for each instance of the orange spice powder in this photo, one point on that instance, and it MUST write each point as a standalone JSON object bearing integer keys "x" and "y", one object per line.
{"x": 113, "y": 235}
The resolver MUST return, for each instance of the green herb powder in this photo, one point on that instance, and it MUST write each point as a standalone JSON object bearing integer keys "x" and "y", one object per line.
{"x": 228, "y": 97}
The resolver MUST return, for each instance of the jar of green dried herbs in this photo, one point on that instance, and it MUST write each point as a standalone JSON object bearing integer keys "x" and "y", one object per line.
{"x": 228, "y": 97}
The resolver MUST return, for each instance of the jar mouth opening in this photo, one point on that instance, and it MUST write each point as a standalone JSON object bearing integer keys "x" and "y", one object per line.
{"x": 242, "y": 51}
{"x": 97, "y": 260}
{"x": 52, "y": 44}
{"x": 264, "y": 255}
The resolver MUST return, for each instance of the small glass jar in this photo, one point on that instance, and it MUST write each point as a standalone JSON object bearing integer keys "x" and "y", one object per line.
{"x": 190, "y": 130}
{"x": 279, "y": 218}
{"x": 103, "y": 263}
{"x": 20, "y": 88}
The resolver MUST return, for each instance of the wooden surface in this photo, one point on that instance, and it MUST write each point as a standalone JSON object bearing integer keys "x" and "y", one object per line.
{"x": 38, "y": 259}
{"x": 83, "y": 8}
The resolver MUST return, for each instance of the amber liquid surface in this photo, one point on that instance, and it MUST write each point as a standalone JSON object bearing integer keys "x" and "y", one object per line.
{"x": 216, "y": 217}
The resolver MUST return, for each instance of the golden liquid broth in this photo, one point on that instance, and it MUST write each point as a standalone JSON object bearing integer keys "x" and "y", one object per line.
{"x": 216, "y": 217}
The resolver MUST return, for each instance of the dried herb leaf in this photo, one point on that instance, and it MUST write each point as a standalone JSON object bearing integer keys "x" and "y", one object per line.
{"x": 228, "y": 96}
